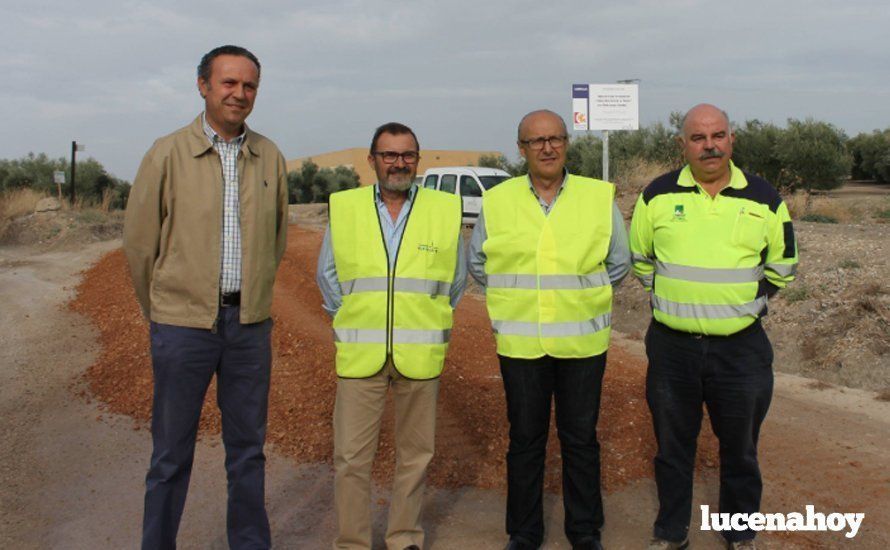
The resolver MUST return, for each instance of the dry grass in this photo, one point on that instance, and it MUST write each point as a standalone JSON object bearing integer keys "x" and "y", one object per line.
{"x": 635, "y": 174}
{"x": 108, "y": 195}
{"x": 17, "y": 203}
{"x": 883, "y": 395}
{"x": 842, "y": 210}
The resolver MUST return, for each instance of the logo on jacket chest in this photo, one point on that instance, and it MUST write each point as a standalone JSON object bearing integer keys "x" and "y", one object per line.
{"x": 679, "y": 213}
{"x": 430, "y": 247}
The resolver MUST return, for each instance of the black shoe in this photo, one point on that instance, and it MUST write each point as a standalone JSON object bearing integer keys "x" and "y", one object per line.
{"x": 519, "y": 544}
{"x": 588, "y": 544}
{"x": 412, "y": 547}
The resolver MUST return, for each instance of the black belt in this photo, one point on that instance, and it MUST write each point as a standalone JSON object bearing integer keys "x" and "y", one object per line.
{"x": 230, "y": 299}
{"x": 753, "y": 327}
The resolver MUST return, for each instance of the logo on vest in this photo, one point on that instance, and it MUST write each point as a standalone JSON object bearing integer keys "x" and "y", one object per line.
{"x": 431, "y": 248}
{"x": 679, "y": 213}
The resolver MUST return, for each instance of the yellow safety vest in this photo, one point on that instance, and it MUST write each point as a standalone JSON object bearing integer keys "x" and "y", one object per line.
{"x": 706, "y": 260}
{"x": 548, "y": 292}
{"x": 403, "y": 312}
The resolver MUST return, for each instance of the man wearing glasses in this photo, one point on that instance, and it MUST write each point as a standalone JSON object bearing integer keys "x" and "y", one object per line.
{"x": 391, "y": 271}
{"x": 548, "y": 247}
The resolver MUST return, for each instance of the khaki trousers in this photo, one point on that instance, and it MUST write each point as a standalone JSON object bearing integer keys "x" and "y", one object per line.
{"x": 357, "y": 414}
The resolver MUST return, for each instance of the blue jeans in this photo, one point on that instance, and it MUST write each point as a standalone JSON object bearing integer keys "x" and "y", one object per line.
{"x": 184, "y": 361}
{"x": 733, "y": 377}
{"x": 530, "y": 386}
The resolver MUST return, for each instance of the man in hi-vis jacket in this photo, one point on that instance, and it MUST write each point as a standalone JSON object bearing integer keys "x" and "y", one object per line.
{"x": 710, "y": 243}
{"x": 547, "y": 247}
{"x": 391, "y": 270}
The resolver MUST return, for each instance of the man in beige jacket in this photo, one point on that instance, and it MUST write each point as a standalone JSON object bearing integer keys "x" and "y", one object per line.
{"x": 204, "y": 233}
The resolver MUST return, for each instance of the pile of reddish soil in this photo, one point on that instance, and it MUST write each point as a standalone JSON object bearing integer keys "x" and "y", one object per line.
{"x": 471, "y": 439}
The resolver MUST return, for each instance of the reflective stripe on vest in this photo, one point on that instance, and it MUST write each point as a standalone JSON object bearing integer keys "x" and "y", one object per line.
{"x": 641, "y": 258}
{"x": 400, "y": 284}
{"x": 783, "y": 270}
{"x": 548, "y": 291}
{"x": 709, "y": 275}
{"x": 399, "y": 336}
{"x": 404, "y": 312}
{"x": 552, "y": 330}
{"x": 548, "y": 282}
{"x": 708, "y": 311}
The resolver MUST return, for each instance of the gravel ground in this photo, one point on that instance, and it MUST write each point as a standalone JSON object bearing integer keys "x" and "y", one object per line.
{"x": 471, "y": 435}
{"x": 71, "y": 472}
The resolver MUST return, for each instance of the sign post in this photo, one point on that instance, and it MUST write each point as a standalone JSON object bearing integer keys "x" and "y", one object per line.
{"x": 606, "y": 107}
{"x": 59, "y": 179}
{"x": 75, "y": 147}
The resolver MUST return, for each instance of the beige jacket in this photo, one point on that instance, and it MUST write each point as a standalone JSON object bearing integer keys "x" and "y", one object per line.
{"x": 173, "y": 227}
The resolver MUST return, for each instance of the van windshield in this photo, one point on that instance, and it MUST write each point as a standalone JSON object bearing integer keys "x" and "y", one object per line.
{"x": 490, "y": 181}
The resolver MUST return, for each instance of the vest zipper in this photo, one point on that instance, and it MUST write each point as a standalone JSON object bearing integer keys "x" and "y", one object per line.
{"x": 390, "y": 277}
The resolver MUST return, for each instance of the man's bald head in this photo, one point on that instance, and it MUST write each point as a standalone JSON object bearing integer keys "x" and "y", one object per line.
{"x": 702, "y": 110}
{"x": 545, "y": 113}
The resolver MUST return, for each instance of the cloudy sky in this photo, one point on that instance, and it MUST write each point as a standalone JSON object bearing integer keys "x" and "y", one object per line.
{"x": 117, "y": 74}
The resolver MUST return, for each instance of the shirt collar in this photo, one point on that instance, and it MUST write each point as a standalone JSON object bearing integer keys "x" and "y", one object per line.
{"x": 411, "y": 192}
{"x": 216, "y": 138}
{"x": 565, "y": 176}
{"x": 737, "y": 179}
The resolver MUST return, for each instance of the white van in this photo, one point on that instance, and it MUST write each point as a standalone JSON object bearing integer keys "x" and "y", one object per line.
{"x": 467, "y": 181}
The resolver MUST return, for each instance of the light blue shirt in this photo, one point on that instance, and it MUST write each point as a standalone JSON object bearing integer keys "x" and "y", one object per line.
{"x": 326, "y": 274}
{"x": 617, "y": 258}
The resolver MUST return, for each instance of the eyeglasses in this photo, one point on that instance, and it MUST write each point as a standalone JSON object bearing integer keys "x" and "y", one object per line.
{"x": 536, "y": 144}
{"x": 390, "y": 157}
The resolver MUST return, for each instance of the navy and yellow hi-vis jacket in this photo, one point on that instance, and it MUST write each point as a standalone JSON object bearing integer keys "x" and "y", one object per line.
{"x": 710, "y": 263}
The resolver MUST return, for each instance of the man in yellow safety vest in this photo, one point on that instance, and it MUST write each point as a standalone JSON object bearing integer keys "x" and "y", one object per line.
{"x": 391, "y": 270}
{"x": 710, "y": 243}
{"x": 548, "y": 247}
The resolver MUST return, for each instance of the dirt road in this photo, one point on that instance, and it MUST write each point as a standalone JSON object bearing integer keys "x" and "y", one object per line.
{"x": 75, "y": 449}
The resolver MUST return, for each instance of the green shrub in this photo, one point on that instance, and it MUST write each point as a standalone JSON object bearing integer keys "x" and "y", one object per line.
{"x": 501, "y": 163}
{"x": 813, "y": 155}
{"x": 795, "y": 293}
{"x": 755, "y": 149}
{"x": 870, "y": 155}
{"x": 313, "y": 184}
{"x": 37, "y": 172}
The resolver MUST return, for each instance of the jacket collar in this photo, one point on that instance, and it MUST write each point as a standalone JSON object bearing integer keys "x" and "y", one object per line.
{"x": 737, "y": 179}
{"x": 199, "y": 144}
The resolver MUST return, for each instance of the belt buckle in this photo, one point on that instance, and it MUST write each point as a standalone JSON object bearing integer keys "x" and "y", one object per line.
{"x": 228, "y": 299}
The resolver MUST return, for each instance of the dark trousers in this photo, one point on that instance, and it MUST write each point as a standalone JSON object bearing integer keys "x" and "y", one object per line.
{"x": 530, "y": 385}
{"x": 733, "y": 377}
{"x": 184, "y": 360}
